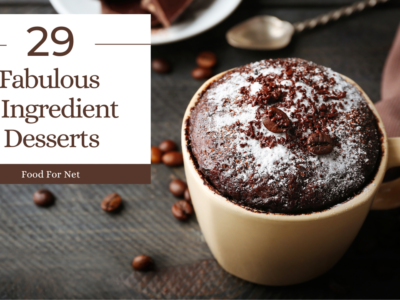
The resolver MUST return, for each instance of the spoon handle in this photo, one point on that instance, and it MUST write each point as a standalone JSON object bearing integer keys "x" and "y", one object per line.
{"x": 335, "y": 14}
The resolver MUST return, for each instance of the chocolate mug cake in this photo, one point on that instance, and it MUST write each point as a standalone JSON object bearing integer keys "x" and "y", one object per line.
{"x": 284, "y": 136}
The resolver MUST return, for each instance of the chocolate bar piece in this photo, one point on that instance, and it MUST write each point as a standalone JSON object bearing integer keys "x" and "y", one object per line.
{"x": 125, "y": 7}
{"x": 166, "y": 11}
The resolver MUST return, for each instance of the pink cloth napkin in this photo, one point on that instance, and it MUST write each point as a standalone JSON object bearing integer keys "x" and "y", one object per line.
{"x": 389, "y": 106}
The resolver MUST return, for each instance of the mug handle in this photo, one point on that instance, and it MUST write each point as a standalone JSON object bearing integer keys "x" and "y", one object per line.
{"x": 388, "y": 195}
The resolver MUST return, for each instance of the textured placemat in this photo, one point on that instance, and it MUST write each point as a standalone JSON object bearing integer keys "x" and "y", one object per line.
{"x": 75, "y": 250}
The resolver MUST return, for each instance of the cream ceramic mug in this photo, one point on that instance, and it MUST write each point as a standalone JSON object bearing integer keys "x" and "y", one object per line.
{"x": 276, "y": 249}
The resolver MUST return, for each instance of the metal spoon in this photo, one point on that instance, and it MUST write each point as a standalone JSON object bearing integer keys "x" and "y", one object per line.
{"x": 271, "y": 33}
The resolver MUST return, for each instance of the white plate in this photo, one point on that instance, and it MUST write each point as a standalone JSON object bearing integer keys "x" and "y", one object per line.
{"x": 200, "y": 16}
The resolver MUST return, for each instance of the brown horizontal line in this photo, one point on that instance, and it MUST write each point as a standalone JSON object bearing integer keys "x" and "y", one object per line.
{"x": 123, "y": 44}
{"x": 3, "y": 45}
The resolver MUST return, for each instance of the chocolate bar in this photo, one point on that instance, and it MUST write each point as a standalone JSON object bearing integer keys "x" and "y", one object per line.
{"x": 125, "y": 7}
{"x": 166, "y": 11}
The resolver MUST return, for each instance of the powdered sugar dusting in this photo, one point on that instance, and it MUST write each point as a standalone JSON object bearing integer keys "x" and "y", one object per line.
{"x": 305, "y": 92}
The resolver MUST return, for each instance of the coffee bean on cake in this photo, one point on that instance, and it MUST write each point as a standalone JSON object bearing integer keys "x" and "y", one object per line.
{"x": 284, "y": 136}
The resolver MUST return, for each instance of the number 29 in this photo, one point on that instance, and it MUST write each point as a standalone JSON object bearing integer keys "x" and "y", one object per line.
{"x": 69, "y": 40}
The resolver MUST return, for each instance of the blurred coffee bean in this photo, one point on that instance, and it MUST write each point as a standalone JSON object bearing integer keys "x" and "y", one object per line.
{"x": 167, "y": 146}
{"x": 206, "y": 59}
{"x": 43, "y": 197}
{"x": 177, "y": 187}
{"x": 202, "y": 73}
{"x": 156, "y": 155}
{"x": 172, "y": 159}
{"x": 111, "y": 202}
{"x": 182, "y": 210}
{"x": 160, "y": 65}
{"x": 276, "y": 120}
{"x": 186, "y": 195}
{"x": 142, "y": 263}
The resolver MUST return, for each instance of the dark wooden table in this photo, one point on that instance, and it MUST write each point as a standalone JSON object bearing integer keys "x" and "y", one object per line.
{"x": 75, "y": 250}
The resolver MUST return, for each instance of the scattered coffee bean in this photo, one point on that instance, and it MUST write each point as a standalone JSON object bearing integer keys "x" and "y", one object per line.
{"x": 201, "y": 73}
{"x": 182, "y": 210}
{"x": 172, "y": 159}
{"x": 156, "y": 155}
{"x": 276, "y": 120}
{"x": 206, "y": 59}
{"x": 111, "y": 202}
{"x": 320, "y": 143}
{"x": 160, "y": 65}
{"x": 142, "y": 263}
{"x": 338, "y": 285}
{"x": 177, "y": 187}
{"x": 186, "y": 195}
{"x": 167, "y": 146}
{"x": 43, "y": 197}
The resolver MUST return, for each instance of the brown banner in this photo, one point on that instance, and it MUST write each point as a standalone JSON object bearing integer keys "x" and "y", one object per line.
{"x": 75, "y": 174}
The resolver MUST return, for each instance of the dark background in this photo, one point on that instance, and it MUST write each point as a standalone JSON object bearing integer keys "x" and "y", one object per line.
{"x": 75, "y": 250}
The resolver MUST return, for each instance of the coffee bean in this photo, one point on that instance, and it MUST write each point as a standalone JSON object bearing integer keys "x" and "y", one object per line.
{"x": 177, "y": 187}
{"x": 320, "y": 143}
{"x": 201, "y": 73}
{"x": 276, "y": 120}
{"x": 172, "y": 159}
{"x": 43, "y": 197}
{"x": 160, "y": 65}
{"x": 186, "y": 195}
{"x": 156, "y": 155}
{"x": 182, "y": 210}
{"x": 167, "y": 146}
{"x": 206, "y": 59}
{"x": 142, "y": 263}
{"x": 111, "y": 202}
